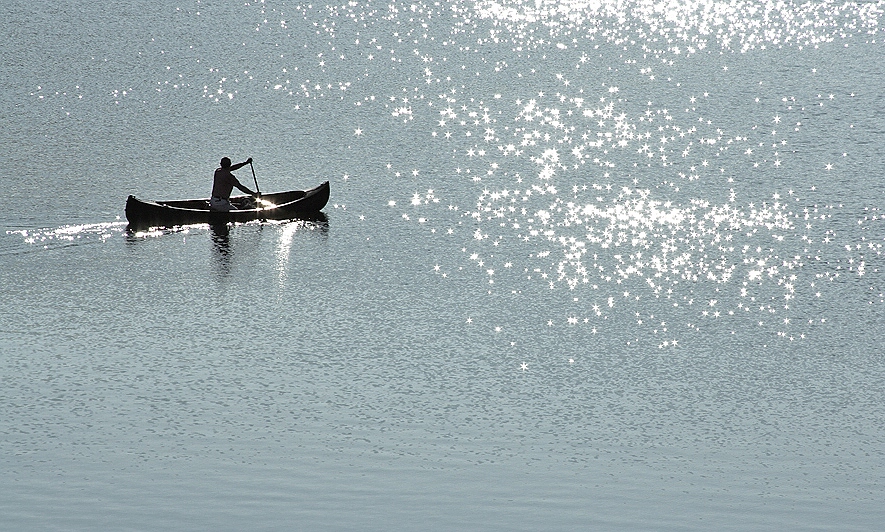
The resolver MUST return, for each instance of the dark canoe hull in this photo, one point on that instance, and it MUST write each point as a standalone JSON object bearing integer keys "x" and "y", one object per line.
{"x": 286, "y": 205}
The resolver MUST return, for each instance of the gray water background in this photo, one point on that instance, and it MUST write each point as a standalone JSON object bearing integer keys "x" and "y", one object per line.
{"x": 423, "y": 360}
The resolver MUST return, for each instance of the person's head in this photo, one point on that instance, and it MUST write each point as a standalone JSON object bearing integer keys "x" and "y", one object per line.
{"x": 225, "y": 162}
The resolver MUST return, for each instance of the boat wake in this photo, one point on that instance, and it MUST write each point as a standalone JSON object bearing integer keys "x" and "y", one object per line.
{"x": 23, "y": 241}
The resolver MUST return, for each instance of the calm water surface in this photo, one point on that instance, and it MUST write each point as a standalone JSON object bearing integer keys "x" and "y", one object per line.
{"x": 590, "y": 265}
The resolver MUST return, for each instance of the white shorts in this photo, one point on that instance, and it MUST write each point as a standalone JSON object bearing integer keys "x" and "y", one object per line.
{"x": 220, "y": 204}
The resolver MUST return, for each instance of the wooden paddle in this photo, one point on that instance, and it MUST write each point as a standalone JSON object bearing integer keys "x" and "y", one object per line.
{"x": 258, "y": 190}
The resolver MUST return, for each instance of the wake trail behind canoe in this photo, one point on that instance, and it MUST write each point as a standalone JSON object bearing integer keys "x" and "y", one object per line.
{"x": 17, "y": 242}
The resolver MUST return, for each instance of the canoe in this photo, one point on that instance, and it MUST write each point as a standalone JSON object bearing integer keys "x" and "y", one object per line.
{"x": 279, "y": 206}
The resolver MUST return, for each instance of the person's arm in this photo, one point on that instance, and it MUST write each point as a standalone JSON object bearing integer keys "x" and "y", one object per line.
{"x": 240, "y": 165}
{"x": 244, "y": 189}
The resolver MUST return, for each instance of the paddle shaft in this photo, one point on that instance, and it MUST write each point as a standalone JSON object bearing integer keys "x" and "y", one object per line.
{"x": 257, "y": 190}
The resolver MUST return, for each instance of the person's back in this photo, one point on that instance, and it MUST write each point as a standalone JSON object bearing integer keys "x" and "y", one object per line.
{"x": 223, "y": 183}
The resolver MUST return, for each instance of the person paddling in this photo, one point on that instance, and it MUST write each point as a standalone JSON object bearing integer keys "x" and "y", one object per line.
{"x": 224, "y": 183}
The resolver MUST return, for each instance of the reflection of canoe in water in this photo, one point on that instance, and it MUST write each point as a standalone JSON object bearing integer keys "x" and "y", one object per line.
{"x": 278, "y": 206}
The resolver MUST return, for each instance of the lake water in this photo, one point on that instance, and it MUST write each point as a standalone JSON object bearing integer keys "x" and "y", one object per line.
{"x": 587, "y": 266}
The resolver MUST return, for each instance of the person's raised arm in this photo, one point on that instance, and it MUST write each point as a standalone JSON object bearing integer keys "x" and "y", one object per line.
{"x": 240, "y": 165}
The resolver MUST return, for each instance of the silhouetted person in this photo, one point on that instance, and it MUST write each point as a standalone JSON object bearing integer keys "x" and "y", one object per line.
{"x": 224, "y": 184}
